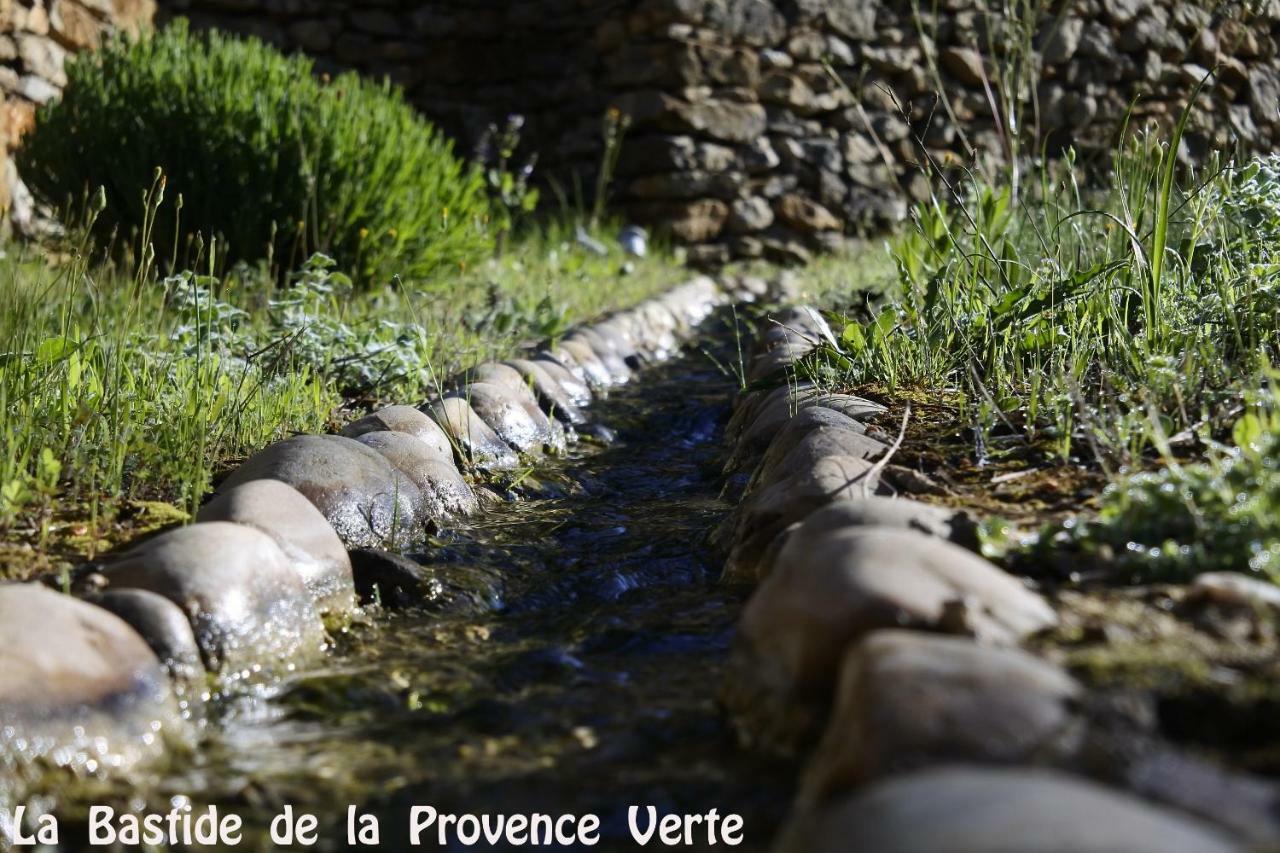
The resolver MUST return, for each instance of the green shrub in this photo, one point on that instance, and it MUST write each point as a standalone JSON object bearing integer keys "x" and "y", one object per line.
{"x": 276, "y": 162}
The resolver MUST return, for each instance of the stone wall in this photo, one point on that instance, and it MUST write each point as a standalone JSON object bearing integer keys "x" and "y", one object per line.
{"x": 778, "y": 127}
{"x": 466, "y": 63}
{"x": 35, "y": 38}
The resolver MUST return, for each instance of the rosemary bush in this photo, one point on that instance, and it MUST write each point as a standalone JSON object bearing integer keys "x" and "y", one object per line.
{"x": 274, "y": 161}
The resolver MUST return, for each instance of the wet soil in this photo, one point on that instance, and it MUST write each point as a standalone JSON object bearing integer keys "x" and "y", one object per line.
{"x": 1000, "y": 473}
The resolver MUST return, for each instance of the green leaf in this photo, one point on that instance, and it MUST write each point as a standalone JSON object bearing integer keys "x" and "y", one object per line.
{"x": 14, "y": 495}
{"x": 1040, "y": 337}
{"x": 53, "y": 349}
{"x": 1169, "y": 168}
{"x": 48, "y": 471}
{"x": 853, "y": 336}
{"x": 883, "y": 326}
{"x": 1009, "y": 302}
{"x": 1248, "y": 432}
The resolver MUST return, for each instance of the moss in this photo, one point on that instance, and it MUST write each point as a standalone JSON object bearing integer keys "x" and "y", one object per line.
{"x": 1212, "y": 675}
{"x": 1140, "y": 666}
{"x": 20, "y": 561}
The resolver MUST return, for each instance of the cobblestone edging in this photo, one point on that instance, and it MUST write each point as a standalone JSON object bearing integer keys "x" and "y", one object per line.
{"x": 879, "y": 645}
{"x": 101, "y": 681}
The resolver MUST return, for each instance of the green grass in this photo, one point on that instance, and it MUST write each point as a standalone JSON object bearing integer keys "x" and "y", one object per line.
{"x": 124, "y": 394}
{"x": 1127, "y": 327}
{"x": 1049, "y": 313}
{"x": 259, "y": 251}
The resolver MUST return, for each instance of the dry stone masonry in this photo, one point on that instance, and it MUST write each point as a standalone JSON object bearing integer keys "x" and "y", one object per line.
{"x": 35, "y": 38}
{"x": 759, "y": 128}
{"x": 777, "y": 127}
{"x": 466, "y": 63}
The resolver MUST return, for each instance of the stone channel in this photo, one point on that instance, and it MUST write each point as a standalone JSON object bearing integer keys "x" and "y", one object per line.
{"x": 672, "y": 578}
{"x": 552, "y": 644}
{"x": 569, "y": 664}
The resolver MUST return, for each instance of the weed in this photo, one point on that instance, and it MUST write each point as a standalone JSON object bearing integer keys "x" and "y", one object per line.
{"x": 1052, "y": 315}
{"x": 613, "y": 131}
{"x": 1221, "y": 514}
{"x": 510, "y": 191}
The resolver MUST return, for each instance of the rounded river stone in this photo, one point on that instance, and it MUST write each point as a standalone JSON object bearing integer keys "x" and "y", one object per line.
{"x": 517, "y": 421}
{"x": 513, "y": 385}
{"x": 782, "y": 405}
{"x": 503, "y": 375}
{"x": 799, "y": 322}
{"x": 805, "y": 421}
{"x": 748, "y": 404}
{"x": 828, "y": 590}
{"x": 954, "y": 525}
{"x": 870, "y": 511}
{"x": 909, "y": 699}
{"x": 163, "y": 626}
{"x": 1234, "y": 590}
{"x": 693, "y": 301}
{"x": 443, "y": 491}
{"x": 997, "y": 810}
{"x": 249, "y": 609}
{"x": 579, "y": 354}
{"x": 657, "y": 338}
{"x": 607, "y": 350}
{"x": 820, "y": 443}
{"x": 364, "y": 499}
{"x": 80, "y": 690}
{"x": 768, "y": 512}
{"x": 579, "y": 391}
{"x": 397, "y": 582}
{"x": 778, "y": 360}
{"x": 480, "y": 445}
{"x": 551, "y": 394}
{"x": 405, "y": 419}
{"x": 313, "y": 547}
{"x": 619, "y": 331}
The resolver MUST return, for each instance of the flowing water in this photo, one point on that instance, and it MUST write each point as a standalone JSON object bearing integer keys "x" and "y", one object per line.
{"x": 584, "y": 683}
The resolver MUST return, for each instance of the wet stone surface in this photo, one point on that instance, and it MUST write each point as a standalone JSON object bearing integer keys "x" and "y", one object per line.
{"x": 589, "y": 688}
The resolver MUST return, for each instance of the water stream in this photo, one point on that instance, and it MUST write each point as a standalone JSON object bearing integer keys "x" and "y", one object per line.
{"x": 584, "y": 684}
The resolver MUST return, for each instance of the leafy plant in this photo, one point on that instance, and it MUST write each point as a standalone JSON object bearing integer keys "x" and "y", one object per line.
{"x": 262, "y": 153}
{"x": 510, "y": 191}
{"x": 204, "y": 320}
{"x": 612, "y": 131}
{"x": 1222, "y": 514}
{"x": 359, "y": 357}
